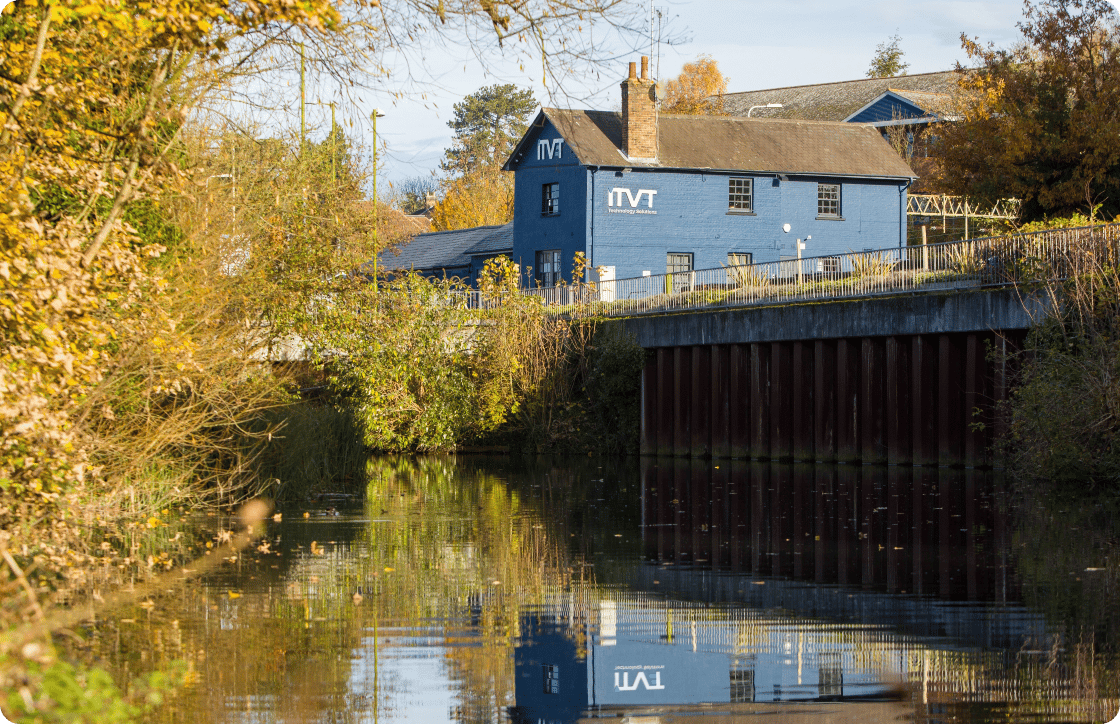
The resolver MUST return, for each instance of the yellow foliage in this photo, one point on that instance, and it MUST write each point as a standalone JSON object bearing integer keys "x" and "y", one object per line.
{"x": 480, "y": 198}
{"x": 698, "y": 90}
{"x": 90, "y": 109}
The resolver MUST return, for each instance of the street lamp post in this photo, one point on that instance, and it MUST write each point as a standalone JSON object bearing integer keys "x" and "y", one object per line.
{"x": 768, "y": 105}
{"x": 302, "y": 100}
{"x": 373, "y": 117}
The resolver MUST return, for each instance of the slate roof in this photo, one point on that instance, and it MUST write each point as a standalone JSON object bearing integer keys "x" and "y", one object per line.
{"x": 501, "y": 240}
{"x": 732, "y": 144}
{"x": 936, "y": 103}
{"x": 448, "y": 251}
{"x": 837, "y": 101}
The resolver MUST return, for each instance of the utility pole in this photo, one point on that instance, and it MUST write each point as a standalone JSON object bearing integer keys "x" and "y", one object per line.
{"x": 373, "y": 117}
{"x": 302, "y": 100}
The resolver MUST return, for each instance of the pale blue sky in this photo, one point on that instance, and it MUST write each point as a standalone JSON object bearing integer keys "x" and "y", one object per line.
{"x": 758, "y": 44}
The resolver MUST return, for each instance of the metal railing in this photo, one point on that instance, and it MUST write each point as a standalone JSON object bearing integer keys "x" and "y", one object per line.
{"x": 998, "y": 261}
{"x": 961, "y": 206}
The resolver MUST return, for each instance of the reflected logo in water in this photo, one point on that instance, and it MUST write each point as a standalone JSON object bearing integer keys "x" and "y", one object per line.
{"x": 622, "y": 681}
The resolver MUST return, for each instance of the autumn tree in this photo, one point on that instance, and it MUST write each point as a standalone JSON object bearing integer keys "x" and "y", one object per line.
{"x": 888, "y": 62}
{"x": 698, "y": 90}
{"x": 481, "y": 197}
{"x": 411, "y": 194}
{"x": 95, "y": 102}
{"x": 1041, "y": 121}
{"x": 488, "y": 124}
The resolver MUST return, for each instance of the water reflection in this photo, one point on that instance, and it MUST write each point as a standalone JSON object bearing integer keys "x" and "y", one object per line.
{"x": 493, "y": 591}
{"x": 934, "y": 531}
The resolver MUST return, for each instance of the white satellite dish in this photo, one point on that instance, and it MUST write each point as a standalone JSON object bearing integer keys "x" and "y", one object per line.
{"x": 786, "y": 228}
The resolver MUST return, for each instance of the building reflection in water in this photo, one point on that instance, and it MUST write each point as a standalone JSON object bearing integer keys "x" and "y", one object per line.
{"x": 927, "y": 531}
{"x": 763, "y": 583}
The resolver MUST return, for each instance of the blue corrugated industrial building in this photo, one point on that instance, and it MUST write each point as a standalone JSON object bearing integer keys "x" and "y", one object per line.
{"x": 643, "y": 193}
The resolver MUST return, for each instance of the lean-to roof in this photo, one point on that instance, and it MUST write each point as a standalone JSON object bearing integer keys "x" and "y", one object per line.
{"x": 446, "y": 250}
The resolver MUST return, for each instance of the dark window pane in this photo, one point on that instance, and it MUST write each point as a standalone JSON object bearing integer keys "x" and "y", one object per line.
{"x": 551, "y": 675}
{"x": 548, "y": 268}
{"x": 550, "y": 199}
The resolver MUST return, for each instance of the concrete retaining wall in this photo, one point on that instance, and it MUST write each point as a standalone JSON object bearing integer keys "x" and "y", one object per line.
{"x": 928, "y": 313}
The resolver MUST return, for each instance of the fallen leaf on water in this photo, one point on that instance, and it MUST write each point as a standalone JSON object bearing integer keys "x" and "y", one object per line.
{"x": 389, "y": 570}
{"x": 232, "y": 594}
{"x": 278, "y": 517}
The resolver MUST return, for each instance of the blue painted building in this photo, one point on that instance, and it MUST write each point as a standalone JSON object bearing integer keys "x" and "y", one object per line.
{"x": 644, "y": 193}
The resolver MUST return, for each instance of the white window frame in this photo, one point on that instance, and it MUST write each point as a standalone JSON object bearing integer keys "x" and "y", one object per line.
{"x": 830, "y": 195}
{"x": 740, "y": 200}
{"x": 669, "y": 267}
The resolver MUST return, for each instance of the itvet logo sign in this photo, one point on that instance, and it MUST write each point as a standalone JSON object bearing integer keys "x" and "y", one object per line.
{"x": 622, "y": 681}
{"x": 548, "y": 149}
{"x": 614, "y": 199}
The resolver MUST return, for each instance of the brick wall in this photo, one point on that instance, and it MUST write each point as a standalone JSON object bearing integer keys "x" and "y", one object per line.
{"x": 639, "y": 114}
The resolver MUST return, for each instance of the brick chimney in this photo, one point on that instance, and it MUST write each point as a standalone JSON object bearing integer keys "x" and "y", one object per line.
{"x": 639, "y": 115}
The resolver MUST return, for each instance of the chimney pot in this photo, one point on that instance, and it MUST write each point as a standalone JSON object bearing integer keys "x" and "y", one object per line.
{"x": 633, "y": 70}
{"x": 645, "y": 67}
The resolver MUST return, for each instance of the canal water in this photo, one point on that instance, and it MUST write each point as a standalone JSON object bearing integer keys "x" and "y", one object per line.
{"x": 648, "y": 591}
